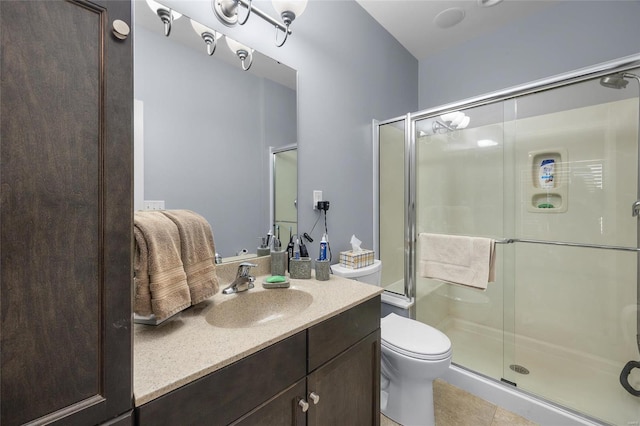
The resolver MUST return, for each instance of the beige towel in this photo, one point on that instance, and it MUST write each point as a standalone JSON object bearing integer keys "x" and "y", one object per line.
{"x": 198, "y": 253}
{"x": 161, "y": 284}
{"x": 462, "y": 260}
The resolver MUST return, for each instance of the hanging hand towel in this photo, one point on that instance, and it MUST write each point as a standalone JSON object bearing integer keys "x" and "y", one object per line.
{"x": 198, "y": 252}
{"x": 161, "y": 283}
{"x": 457, "y": 259}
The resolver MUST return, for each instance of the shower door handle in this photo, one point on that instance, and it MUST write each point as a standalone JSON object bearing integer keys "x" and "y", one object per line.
{"x": 635, "y": 209}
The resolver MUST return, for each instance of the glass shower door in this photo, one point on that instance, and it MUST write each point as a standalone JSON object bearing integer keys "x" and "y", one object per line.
{"x": 460, "y": 190}
{"x": 575, "y": 265}
{"x": 550, "y": 173}
{"x": 285, "y": 191}
{"x": 392, "y": 204}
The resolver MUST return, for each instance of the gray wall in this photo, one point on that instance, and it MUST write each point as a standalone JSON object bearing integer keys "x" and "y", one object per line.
{"x": 350, "y": 72}
{"x": 558, "y": 39}
{"x": 207, "y": 130}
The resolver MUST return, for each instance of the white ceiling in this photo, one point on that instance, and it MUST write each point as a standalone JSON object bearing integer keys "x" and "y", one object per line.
{"x": 411, "y": 22}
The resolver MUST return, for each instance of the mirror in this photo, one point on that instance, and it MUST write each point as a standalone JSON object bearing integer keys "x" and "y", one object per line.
{"x": 205, "y": 129}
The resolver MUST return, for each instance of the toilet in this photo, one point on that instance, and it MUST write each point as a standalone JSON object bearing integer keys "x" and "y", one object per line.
{"x": 413, "y": 355}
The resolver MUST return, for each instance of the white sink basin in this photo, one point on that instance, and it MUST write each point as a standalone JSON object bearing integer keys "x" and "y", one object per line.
{"x": 256, "y": 308}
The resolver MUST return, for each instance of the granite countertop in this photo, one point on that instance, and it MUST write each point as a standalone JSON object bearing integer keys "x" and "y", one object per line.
{"x": 187, "y": 347}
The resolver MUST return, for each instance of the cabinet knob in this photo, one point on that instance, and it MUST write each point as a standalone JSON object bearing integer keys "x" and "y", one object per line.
{"x": 120, "y": 29}
{"x": 304, "y": 404}
{"x": 314, "y": 397}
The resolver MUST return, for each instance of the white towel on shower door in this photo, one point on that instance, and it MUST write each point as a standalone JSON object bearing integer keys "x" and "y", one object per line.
{"x": 458, "y": 259}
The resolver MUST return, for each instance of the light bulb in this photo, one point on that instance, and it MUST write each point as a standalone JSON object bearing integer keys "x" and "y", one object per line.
{"x": 235, "y": 46}
{"x": 200, "y": 29}
{"x": 154, "y": 5}
{"x": 296, "y": 7}
{"x": 456, "y": 122}
{"x": 452, "y": 116}
{"x": 464, "y": 123}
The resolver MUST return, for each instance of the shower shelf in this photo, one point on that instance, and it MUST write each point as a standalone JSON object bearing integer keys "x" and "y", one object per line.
{"x": 547, "y": 196}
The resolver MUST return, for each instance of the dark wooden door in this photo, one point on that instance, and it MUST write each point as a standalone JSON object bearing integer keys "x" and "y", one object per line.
{"x": 347, "y": 387}
{"x": 65, "y": 212}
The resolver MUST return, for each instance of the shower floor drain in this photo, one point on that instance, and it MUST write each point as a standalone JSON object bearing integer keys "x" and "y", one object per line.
{"x": 519, "y": 369}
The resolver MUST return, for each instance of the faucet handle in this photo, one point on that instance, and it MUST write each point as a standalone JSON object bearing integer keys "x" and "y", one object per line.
{"x": 244, "y": 268}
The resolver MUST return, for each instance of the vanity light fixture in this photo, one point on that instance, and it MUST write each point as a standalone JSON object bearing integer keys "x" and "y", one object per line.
{"x": 227, "y": 12}
{"x": 167, "y": 15}
{"x": 243, "y": 52}
{"x": 209, "y": 36}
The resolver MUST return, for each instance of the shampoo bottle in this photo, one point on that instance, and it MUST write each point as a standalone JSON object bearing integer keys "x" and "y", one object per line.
{"x": 546, "y": 175}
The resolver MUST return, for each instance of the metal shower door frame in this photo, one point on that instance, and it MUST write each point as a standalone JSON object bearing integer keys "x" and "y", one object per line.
{"x": 565, "y": 79}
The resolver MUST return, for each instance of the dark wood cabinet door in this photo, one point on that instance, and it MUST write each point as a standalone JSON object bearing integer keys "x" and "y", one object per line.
{"x": 281, "y": 410}
{"x": 65, "y": 212}
{"x": 347, "y": 387}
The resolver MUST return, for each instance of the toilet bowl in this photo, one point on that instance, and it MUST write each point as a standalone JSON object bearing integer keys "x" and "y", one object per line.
{"x": 413, "y": 355}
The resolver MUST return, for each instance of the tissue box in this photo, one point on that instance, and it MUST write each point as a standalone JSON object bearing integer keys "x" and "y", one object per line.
{"x": 352, "y": 260}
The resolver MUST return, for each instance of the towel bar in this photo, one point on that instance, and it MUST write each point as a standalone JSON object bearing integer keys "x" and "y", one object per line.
{"x": 560, "y": 243}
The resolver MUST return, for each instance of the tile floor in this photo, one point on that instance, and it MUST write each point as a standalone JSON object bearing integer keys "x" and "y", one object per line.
{"x": 455, "y": 407}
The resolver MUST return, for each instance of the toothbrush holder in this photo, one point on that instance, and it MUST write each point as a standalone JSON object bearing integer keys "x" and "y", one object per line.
{"x": 300, "y": 268}
{"x": 278, "y": 262}
{"x": 263, "y": 251}
{"x": 323, "y": 270}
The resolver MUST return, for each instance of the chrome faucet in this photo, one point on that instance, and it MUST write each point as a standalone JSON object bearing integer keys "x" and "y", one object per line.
{"x": 243, "y": 282}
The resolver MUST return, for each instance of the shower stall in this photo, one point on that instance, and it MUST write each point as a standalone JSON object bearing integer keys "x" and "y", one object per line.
{"x": 550, "y": 171}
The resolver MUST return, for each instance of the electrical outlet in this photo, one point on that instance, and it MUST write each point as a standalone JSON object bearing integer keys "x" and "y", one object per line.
{"x": 153, "y": 204}
{"x": 317, "y": 196}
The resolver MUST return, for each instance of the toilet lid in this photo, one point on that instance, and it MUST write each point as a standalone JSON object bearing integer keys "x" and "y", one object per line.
{"x": 413, "y": 338}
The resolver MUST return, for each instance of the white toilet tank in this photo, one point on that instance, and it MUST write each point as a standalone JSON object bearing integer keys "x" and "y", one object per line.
{"x": 369, "y": 274}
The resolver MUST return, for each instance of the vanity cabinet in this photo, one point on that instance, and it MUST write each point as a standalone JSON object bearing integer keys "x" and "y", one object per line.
{"x": 326, "y": 374}
{"x": 65, "y": 213}
{"x": 344, "y": 367}
{"x": 347, "y": 388}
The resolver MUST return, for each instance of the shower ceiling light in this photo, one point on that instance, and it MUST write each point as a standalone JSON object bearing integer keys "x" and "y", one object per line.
{"x": 449, "y": 17}
{"x": 488, "y": 3}
{"x": 451, "y": 121}
{"x": 452, "y": 116}
{"x": 227, "y": 12}
{"x": 167, "y": 15}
